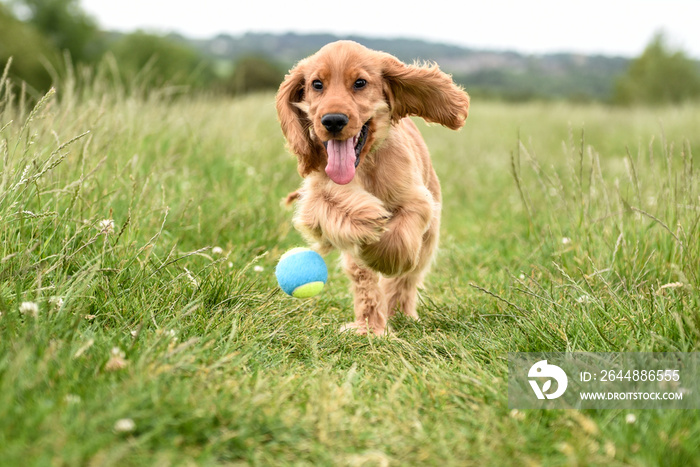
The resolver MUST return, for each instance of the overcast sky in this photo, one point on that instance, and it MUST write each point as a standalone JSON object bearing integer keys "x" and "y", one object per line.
{"x": 610, "y": 27}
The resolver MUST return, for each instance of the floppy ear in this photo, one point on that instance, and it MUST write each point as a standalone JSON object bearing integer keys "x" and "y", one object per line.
{"x": 296, "y": 124}
{"x": 423, "y": 91}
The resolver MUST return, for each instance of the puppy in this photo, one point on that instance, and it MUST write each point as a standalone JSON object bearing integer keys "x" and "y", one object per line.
{"x": 369, "y": 187}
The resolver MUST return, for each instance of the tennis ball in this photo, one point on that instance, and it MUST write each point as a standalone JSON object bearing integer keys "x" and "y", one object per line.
{"x": 301, "y": 273}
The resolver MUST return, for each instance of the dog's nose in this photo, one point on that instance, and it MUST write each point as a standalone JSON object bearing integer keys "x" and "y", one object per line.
{"x": 334, "y": 123}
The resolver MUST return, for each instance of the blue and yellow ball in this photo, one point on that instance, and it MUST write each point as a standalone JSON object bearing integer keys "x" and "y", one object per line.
{"x": 301, "y": 273}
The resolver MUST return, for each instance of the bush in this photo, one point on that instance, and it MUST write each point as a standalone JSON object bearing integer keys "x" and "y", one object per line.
{"x": 659, "y": 76}
{"x": 255, "y": 73}
{"x": 66, "y": 25}
{"x": 156, "y": 61}
{"x": 30, "y": 51}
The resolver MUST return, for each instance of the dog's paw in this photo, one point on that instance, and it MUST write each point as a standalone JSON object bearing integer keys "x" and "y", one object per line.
{"x": 369, "y": 225}
{"x": 359, "y": 225}
{"x": 308, "y": 227}
{"x": 360, "y": 329}
{"x": 392, "y": 255}
{"x": 322, "y": 247}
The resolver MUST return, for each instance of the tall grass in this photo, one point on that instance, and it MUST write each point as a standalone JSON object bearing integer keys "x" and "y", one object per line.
{"x": 565, "y": 228}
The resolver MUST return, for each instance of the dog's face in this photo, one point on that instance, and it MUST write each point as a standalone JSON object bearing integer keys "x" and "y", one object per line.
{"x": 345, "y": 104}
{"x": 340, "y": 102}
{"x": 336, "y": 106}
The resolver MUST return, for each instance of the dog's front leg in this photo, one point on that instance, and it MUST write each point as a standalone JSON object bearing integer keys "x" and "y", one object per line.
{"x": 308, "y": 222}
{"x": 341, "y": 216}
{"x": 398, "y": 250}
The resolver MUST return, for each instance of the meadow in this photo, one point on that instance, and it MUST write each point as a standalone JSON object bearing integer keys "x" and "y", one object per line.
{"x": 141, "y": 323}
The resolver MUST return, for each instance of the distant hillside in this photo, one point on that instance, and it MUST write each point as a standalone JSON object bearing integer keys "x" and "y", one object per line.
{"x": 507, "y": 74}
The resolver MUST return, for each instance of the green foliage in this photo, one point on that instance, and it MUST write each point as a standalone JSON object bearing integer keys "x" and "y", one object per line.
{"x": 66, "y": 25}
{"x": 659, "y": 76}
{"x": 31, "y": 52}
{"x": 254, "y": 74}
{"x": 155, "y": 61}
{"x": 144, "y": 61}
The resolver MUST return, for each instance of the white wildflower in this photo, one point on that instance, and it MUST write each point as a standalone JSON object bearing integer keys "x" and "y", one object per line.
{"x": 124, "y": 425}
{"x": 230, "y": 265}
{"x": 584, "y": 299}
{"x": 106, "y": 226}
{"x": 29, "y": 309}
{"x": 72, "y": 399}
{"x": 56, "y": 303}
{"x": 521, "y": 276}
{"x": 171, "y": 333}
{"x": 565, "y": 241}
{"x": 116, "y": 360}
{"x": 217, "y": 250}
{"x": 631, "y": 418}
{"x": 258, "y": 268}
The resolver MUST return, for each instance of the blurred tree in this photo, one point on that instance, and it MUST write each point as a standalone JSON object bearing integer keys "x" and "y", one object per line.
{"x": 65, "y": 24}
{"x": 30, "y": 51}
{"x": 254, "y": 73}
{"x": 659, "y": 76}
{"x": 155, "y": 61}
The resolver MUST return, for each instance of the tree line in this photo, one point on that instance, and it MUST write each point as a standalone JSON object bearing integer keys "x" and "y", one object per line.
{"x": 46, "y": 38}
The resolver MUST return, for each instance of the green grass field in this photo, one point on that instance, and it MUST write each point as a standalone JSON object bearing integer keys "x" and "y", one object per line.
{"x": 562, "y": 224}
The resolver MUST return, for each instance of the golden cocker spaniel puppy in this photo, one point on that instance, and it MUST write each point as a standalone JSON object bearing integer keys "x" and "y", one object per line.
{"x": 369, "y": 187}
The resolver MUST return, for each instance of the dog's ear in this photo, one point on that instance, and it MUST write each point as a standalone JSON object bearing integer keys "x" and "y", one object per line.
{"x": 423, "y": 91}
{"x": 295, "y": 122}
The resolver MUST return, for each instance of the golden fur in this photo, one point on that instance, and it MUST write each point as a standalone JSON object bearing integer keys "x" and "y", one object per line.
{"x": 386, "y": 220}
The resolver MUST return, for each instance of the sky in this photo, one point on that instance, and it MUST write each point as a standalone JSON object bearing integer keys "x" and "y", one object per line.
{"x": 608, "y": 27}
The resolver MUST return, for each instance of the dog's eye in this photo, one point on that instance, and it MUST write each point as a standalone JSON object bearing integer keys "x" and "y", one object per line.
{"x": 360, "y": 83}
{"x": 317, "y": 85}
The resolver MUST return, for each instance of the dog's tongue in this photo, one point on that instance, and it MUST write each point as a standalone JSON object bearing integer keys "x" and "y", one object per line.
{"x": 341, "y": 161}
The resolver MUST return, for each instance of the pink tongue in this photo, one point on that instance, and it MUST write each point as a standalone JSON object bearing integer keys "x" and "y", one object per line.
{"x": 341, "y": 161}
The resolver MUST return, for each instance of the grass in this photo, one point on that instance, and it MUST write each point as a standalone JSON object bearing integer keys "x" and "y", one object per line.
{"x": 562, "y": 223}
